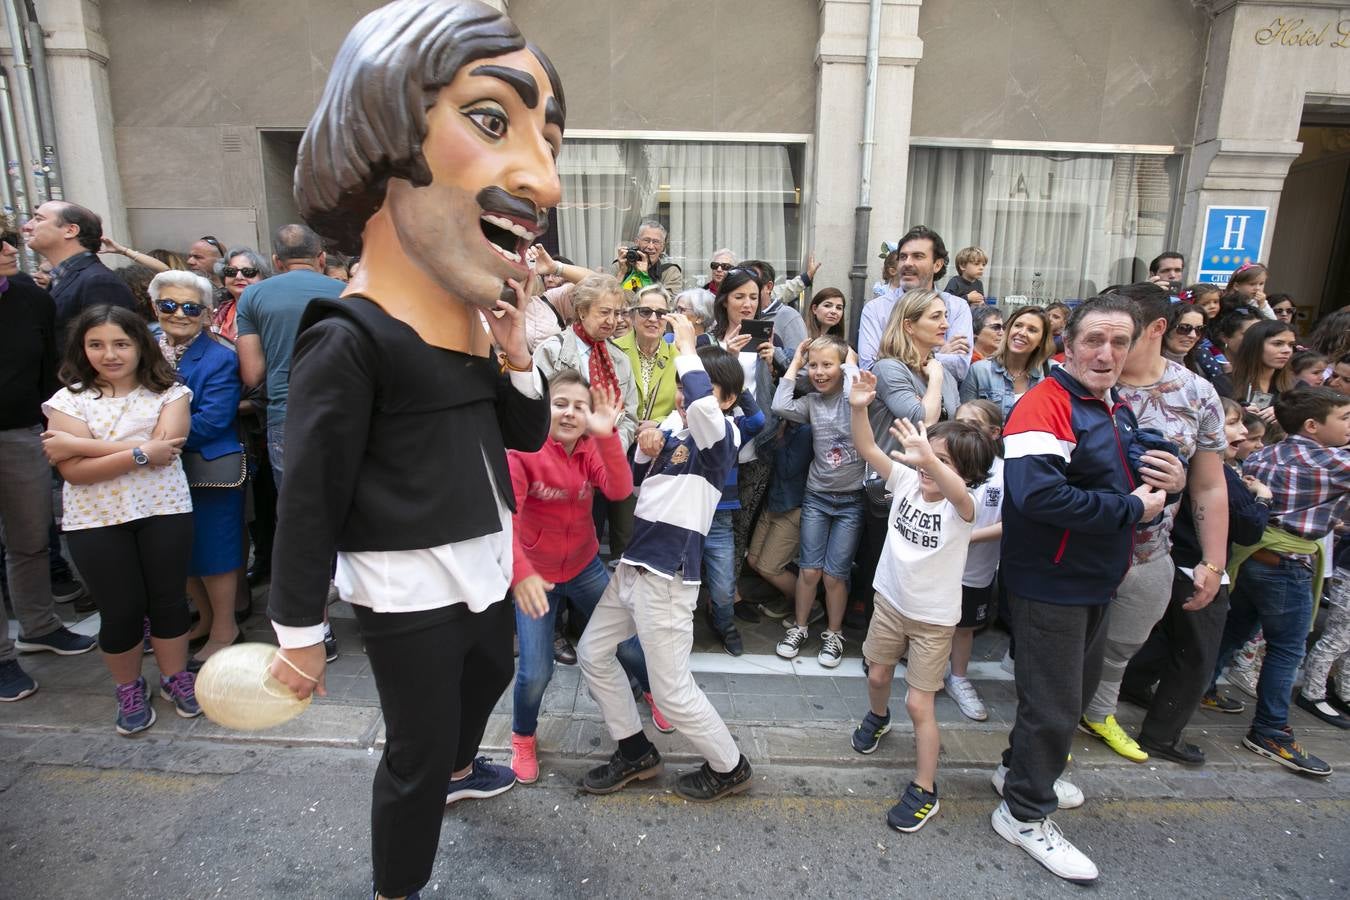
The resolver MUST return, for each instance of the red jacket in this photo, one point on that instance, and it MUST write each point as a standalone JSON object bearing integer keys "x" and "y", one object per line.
{"x": 553, "y": 533}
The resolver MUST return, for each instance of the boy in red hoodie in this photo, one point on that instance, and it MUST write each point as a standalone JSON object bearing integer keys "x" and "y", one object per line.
{"x": 557, "y": 557}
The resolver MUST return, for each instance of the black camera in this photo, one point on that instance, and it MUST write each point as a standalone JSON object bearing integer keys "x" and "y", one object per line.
{"x": 632, "y": 254}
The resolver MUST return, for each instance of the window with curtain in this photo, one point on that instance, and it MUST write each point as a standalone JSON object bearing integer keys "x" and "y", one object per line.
{"x": 1055, "y": 225}
{"x": 709, "y": 195}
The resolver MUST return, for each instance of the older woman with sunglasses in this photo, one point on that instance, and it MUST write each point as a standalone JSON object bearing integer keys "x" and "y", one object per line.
{"x": 212, "y": 456}
{"x": 241, "y": 267}
{"x": 987, "y": 324}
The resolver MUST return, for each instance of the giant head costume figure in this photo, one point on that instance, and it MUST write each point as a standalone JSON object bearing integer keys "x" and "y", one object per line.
{"x": 435, "y": 145}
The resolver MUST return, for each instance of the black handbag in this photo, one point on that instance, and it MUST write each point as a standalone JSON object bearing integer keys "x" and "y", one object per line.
{"x": 878, "y": 498}
{"x": 228, "y": 471}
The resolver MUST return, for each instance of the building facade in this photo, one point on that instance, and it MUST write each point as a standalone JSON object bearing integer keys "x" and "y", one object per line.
{"x": 1072, "y": 141}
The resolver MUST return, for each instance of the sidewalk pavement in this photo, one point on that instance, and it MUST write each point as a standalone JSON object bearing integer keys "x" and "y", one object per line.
{"x": 780, "y": 712}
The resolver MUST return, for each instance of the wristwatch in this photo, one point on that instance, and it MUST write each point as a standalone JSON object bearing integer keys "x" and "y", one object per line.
{"x": 138, "y": 455}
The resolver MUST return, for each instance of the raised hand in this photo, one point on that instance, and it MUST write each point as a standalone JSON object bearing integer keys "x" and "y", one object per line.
{"x": 606, "y": 407}
{"x": 685, "y": 340}
{"x": 864, "y": 390}
{"x": 916, "y": 450}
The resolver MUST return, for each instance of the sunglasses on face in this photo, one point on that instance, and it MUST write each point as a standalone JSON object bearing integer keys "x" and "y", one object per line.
{"x": 720, "y": 267}
{"x": 231, "y": 271}
{"x": 169, "y": 307}
{"x": 995, "y": 326}
{"x": 647, "y": 312}
{"x": 1186, "y": 330}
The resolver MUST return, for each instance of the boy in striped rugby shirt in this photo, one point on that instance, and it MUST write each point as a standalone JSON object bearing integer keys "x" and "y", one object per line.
{"x": 680, "y": 469}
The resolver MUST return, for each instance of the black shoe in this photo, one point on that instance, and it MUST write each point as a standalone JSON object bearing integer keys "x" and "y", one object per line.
{"x": 85, "y": 604}
{"x": 731, "y": 640}
{"x": 915, "y": 808}
{"x": 563, "y": 652}
{"x": 1142, "y": 699}
{"x": 1342, "y": 705}
{"x": 330, "y": 647}
{"x": 1216, "y": 702}
{"x": 746, "y": 612}
{"x": 703, "y": 784}
{"x": 855, "y": 617}
{"x": 1178, "y": 751}
{"x": 1287, "y": 752}
{"x": 259, "y": 574}
{"x": 616, "y": 773}
{"x": 1323, "y": 710}
{"x": 66, "y": 588}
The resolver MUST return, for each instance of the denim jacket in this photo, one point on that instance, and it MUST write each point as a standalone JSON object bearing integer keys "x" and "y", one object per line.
{"x": 988, "y": 380}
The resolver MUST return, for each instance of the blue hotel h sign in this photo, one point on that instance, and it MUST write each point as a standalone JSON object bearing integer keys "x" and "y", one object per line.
{"x": 1233, "y": 236}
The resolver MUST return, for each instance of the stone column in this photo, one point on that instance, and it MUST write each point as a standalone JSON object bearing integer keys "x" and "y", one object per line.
{"x": 841, "y": 60}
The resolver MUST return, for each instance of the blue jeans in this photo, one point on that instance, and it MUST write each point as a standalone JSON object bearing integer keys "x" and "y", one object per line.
{"x": 276, "y": 451}
{"x": 1279, "y": 598}
{"x": 535, "y": 669}
{"x": 719, "y": 567}
{"x": 832, "y": 525}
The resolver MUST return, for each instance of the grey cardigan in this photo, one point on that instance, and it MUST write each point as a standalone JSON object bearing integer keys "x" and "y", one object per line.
{"x": 563, "y": 351}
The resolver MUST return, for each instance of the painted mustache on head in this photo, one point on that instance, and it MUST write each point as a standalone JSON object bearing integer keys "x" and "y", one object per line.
{"x": 510, "y": 224}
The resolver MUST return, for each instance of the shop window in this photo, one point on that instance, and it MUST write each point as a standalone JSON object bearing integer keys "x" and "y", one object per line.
{"x": 709, "y": 194}
{"x": 1056, "y": 225}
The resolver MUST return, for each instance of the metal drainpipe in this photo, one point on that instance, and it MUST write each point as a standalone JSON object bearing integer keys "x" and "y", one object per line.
{"x": 15, "y": 191}
{"x": 51, "y": 156}
{"x": 23, "y": 75}
{"x": 862, "y": 215}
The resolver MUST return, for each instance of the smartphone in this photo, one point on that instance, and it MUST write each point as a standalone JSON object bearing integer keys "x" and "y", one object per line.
{"x": 760, "y": 330}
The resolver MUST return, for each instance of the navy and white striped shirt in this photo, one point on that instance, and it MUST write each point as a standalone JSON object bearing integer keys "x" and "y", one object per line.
{"x": 681, "y": 487}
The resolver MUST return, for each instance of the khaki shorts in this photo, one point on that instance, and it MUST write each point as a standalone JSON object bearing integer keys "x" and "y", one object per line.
{"x": 774, "y": 543}
{"x": 891, "y": 633}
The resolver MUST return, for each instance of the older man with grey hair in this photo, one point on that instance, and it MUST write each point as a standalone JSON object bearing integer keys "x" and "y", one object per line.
{"x": 642, "y": 262}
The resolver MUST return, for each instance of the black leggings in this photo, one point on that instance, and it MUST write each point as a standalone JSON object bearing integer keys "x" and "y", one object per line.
{"x": 134, "y": 570}
{"x": 439, "y": 673}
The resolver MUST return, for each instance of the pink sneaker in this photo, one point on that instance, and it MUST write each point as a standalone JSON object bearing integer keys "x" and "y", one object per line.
{"x": 657, "y": 719}
{"x": 524, "y": 758}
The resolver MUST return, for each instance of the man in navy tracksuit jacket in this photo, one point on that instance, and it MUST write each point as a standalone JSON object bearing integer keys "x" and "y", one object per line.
{"x": 1069, "y": 513}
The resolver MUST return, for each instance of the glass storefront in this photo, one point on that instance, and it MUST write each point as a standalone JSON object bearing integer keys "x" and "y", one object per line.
{"x": 1056, "y": 225}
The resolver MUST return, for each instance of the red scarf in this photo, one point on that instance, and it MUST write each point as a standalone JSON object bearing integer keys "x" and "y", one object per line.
{"x": 602, "y": 367}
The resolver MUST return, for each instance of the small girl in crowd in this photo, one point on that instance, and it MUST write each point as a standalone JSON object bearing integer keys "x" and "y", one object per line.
{"x": 116, "y": 430}
{"x": 977, "y": 582}
{"x": 832, "y": 507}
{"x": 1205, "y": 297}
{"x": 918, "y": 580}
{"x": 1248, "y": 285}
{"x": 1309, "y": 367}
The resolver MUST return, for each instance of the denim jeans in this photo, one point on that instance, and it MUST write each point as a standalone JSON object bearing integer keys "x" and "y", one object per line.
{"x": 536, "y": 644}
{"x": 719, "y": 567}
{"x": 276, "y": 451}
{"x": 1280, "y": 599}
{"x": 832, "y": 525}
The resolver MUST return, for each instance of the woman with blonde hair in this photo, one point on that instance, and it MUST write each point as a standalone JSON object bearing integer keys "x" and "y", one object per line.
{"x": 1018, "y": 363}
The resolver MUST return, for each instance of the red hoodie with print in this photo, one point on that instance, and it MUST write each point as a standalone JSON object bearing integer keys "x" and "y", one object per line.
{"x": 552, "y": 532}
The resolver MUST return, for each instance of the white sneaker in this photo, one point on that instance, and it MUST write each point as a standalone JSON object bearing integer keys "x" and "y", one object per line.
{"x": 1244, "y": 678}
{"x": 1046, "y": 844}
{"x": 831, "y": 649}
{"x": 791, "y": 644}
{"x": 967, "y": 698}
{"x": 1066, "y": 792}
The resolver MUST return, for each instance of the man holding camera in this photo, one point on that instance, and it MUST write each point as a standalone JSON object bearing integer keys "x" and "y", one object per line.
{"x": 639, "y": 264}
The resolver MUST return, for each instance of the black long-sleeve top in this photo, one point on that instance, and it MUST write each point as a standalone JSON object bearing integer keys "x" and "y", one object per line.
{"x": 386, "y": 441}
{"x": 1246, "y": 521}
{"x": 27, "y": 353}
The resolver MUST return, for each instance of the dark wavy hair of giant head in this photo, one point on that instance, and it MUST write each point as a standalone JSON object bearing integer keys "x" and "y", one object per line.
{"x": 372, "y": 118}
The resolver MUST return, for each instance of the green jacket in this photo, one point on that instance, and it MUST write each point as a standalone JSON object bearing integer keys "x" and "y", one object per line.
{"x": 1277, "y": 540}
{"x": 662, "y": 403}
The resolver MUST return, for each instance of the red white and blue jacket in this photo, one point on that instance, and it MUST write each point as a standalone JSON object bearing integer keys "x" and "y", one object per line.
{"x": 1068, "y": 516}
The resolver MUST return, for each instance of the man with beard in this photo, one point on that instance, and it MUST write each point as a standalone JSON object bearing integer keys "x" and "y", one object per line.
{"x": 433, "y": 147}
{"x": 922, "y": 257}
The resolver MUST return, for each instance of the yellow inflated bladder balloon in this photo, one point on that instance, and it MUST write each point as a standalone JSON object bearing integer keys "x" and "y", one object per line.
{"x": 236, "y": 691}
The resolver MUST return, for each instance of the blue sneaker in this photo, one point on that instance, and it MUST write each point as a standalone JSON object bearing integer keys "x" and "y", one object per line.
{"x": 15, "y": 683}
{"x": 867, "y": 736}
{"x": 62, "y": 641}
{"x": 486, "y": 780}
{"x": 180, "y": 691}
{"x": 134, "y": 712}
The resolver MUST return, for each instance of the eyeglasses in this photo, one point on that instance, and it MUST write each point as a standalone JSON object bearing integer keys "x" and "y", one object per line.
{"x": 994, "y": 326}
{"x": 231, "y": 271}
{"x": 647, "y": 312}
{"x": 1185, "y": 330}
{"x": 169, "y": 307}
{"x": 721, "y": 267}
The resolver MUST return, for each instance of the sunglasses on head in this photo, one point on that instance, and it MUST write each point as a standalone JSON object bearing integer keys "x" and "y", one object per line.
{"x": 721, "y": 267}
{"x": 1186, "y": 330}
{"x": 169, "y": 307}
{"x": 231, "y": 271}
{"x": 214, "y": 243}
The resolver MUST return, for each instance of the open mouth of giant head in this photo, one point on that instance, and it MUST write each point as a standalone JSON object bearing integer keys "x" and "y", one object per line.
{"x": 510, "y": 224}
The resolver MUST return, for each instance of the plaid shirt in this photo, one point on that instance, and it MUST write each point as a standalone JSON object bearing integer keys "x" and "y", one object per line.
{"x": 1310, "y": 484}
{"x": 62, "y": 269}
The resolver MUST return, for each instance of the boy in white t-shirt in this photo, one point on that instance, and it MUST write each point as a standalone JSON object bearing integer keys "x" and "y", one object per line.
{"x": 918, "y": 580}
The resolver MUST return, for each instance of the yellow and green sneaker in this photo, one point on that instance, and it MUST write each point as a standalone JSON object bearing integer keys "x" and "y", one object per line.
{"x": 1114, "y": 737}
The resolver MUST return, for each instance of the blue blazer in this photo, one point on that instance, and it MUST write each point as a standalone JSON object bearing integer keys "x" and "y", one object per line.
{"x": 211, "y": 371}
{"x": 88, "y": 282}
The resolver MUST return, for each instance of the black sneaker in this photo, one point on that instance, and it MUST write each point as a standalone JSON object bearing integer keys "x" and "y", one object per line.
{"x": 1320, "y": 708}
{"x": 62, "y": 642}
{"x": 731, "y": 640}
{"x": 15, "y": 683}
{"x": 66, "y": 588}
{"x": 867, "y": 736}
{"x": 330, "y": 647}
{"x": 1287, "y": 752}
{"x": 1179, "y": 751}
{"x": 703, "y": 784}
{"x": 616, "y": 773}
{"x": 746, "y": 612}
{"x": 915, "y": 808}
{"x": 1216, "y": 702}
{"x": 775, "y": 609}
